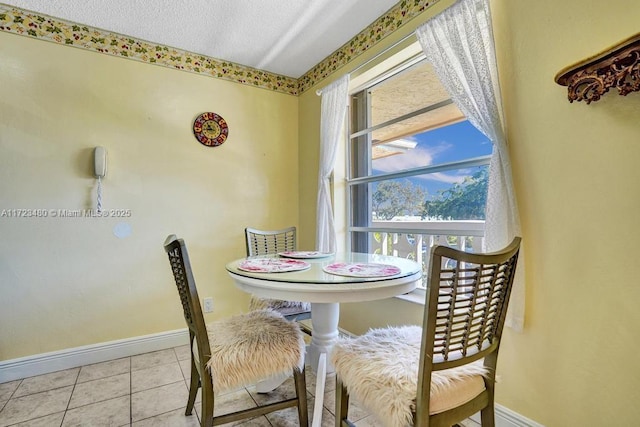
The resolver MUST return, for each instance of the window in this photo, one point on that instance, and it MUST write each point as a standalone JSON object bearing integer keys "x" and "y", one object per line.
{"x": 418, "y": 169}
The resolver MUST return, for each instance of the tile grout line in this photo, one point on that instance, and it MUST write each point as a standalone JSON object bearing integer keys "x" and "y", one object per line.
{"x": 70, "y": 396}
{"x": 11, "y": 395}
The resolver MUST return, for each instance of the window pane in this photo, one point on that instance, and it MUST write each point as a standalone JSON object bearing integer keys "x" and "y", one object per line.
{"x": 444, "y": 145}
{"x": 413, "y": 89}
{"x": 464, "y": 199}
{"x": 429, "y": 120}
{"x": 398, "y": 199}
{"x": 452, "y": 195}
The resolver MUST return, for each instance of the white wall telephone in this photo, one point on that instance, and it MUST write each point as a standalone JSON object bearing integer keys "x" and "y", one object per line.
{"x": 100, "y": 162}
{"x": 99, "y": 170}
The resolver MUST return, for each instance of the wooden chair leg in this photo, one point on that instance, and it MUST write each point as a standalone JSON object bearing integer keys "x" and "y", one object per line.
{"x": 207, "y": 407}
{"x": 487, "y": 416}
{"x": 342, "y": 404}
{"x": 194, "y": 385}
{"x": 301, "y": 393}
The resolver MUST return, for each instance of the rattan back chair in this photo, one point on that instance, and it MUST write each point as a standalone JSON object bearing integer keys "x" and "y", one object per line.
{"x": 457, "y": 347}
{"x": 242, "y": 352}
{"x": 264, "y": 242}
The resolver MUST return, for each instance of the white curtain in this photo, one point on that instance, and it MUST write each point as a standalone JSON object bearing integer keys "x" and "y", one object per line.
{"x": 459, "y": 45}
{"x": 335, "y": 98}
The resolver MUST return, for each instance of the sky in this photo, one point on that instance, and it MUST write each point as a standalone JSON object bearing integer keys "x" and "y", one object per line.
{"x": 447, "y": 144}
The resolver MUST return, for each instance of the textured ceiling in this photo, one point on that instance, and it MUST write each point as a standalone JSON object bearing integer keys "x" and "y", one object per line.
{"x": 285, "y": 37}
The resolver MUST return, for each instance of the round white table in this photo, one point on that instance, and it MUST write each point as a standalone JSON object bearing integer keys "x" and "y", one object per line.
{"x": 325, "y": 292}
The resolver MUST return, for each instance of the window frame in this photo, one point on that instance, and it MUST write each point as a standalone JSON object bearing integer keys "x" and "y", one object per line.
{"x": 359, "y": 228}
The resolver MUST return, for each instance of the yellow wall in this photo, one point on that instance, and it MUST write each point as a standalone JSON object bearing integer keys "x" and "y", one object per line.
{"x": 67, "y": 282}
{"x": 576, "y": 171}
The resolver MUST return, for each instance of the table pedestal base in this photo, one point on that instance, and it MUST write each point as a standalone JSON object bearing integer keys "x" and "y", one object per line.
{"x": 324, "y": 321}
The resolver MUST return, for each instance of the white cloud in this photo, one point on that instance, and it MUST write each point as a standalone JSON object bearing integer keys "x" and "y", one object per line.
{"x": 443, "y": 177}
{"x": 411, "y": 159}
{"x": 418, "y": 157}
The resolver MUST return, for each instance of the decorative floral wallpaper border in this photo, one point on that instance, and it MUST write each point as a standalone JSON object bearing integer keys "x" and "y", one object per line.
{"x": 43, "y": 27}
{"x": 18, "y": 21}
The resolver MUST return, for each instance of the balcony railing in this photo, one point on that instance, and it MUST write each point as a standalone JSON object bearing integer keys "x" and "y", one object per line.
{"x": 414, "y": 239}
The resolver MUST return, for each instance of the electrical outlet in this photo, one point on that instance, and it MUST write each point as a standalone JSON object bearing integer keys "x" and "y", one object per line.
{"x": 208, "y": 305}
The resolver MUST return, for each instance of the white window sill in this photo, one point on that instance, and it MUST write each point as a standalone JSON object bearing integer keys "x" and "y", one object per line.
{"x": 417, "y": 296}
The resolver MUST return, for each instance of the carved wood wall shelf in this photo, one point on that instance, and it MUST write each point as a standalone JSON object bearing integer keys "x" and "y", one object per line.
{"x": 616, "y": 67}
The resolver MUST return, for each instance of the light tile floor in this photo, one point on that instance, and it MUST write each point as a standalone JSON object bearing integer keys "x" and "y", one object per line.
{"x": 146, "y": 390}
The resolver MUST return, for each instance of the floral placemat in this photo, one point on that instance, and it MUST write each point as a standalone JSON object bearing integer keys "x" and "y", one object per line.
{"x": 304, "y": 254}
{"x": 273, "y": 265}
{"x": 361, "y": 269}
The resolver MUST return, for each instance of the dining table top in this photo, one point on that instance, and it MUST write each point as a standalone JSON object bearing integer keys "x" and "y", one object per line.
{"x": 343, "y": 276}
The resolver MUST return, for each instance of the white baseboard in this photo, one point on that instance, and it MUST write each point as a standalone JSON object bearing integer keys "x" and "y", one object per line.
{"x": 505, "y": 417}
{"x": 44, "y": 363}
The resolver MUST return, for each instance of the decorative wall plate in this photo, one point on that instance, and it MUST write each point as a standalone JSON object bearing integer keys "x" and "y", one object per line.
{"x": 210, "y": 129}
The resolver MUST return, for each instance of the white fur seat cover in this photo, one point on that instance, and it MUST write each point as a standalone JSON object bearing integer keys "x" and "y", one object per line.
{"x": 380, "y": 370}
{"x": 275, "y": 304}
{"x": 251, "y": 347}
